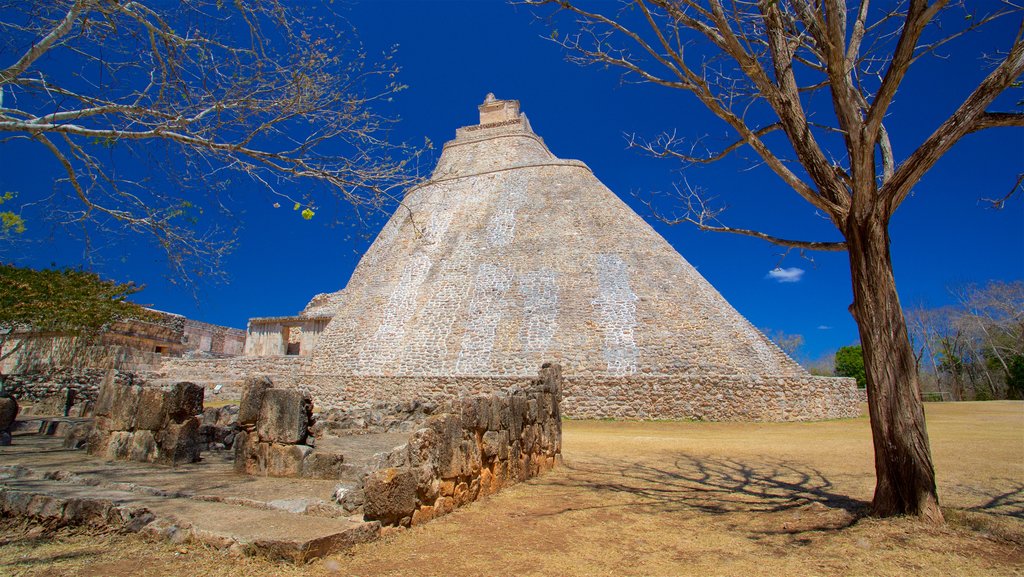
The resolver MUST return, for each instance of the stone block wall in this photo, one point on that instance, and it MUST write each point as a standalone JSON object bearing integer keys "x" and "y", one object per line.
{"x": 481, "y": 444}
{"x": 232, "y": 372}
{"x": 274, "y": 438}
{"x": 48, "y": 392}
{"x": 706, "y": 397}
{"x": 147, "y": 424}
{"x": 713, "y": 398}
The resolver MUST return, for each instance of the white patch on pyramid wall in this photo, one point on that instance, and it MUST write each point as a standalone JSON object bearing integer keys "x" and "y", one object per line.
{"x": 539, "y": 290}
{"x": 385, "y": 344}
{"x": 501, "y": 229}
{"x": 616, "y": 308}
{"x": 763, "y": 352}
{"x": 484, "y": 313}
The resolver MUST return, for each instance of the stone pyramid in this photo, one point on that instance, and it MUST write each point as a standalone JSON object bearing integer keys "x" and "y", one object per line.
{"x": 509, "y": 257}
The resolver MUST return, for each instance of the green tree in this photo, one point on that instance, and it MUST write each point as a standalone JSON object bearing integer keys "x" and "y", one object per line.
{"x": 67, "y": 301}
{"x": 1015, "y": 378}
{"x": 850, "y": 363}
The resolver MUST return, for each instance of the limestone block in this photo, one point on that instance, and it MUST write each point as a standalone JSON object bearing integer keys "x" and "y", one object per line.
{"x": 284, "y": 416}
{"x": 252, "y": 399}
{"x": 107, "y": 395}
{"x": 184, "y": 401}
{"x": 495, "y": 444}
{"x": 144, "y": 448}
{"x": 179, "y": 442}
{"x": 390, "y": 495}
{"x": 323, "y": 465}
{"x": 124, "y": 407}
{"x": 99, "y": 437}
{"x": 119, "y": 445}
{"x": 285, "y": 460}
{"x": 77, "y": 437}
{"x": 8, "y": 413}
{"x": 531, "y": 411}
{"x": 422, "y": 515}
{"x": 243, "y": 451}
{"x": 152, "y": 411}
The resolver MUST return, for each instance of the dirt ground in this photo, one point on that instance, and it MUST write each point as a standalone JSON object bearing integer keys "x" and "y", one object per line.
{"x": 661, "y": 498}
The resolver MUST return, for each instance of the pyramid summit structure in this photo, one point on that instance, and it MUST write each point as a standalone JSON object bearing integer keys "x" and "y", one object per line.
{"x": 509, "y": 257}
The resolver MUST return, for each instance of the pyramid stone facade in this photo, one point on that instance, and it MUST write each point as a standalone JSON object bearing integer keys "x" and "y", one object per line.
{"x": 509, "y": 257}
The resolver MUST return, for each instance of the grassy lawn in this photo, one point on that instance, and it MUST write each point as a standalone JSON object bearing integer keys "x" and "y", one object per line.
{"x": 663, "y": 498}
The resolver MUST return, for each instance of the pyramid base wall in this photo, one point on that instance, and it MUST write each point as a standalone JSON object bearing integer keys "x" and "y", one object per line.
{"x": 705, "y": 398}
{"x": 696, "y": 397}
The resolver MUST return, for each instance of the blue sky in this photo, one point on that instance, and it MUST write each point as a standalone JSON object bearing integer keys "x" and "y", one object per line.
{"x": 453, "y": 53}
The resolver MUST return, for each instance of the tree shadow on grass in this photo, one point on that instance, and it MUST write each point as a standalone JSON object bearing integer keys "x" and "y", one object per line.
{"x": 1009, "y": 503}
{"x": 719, "y": 486}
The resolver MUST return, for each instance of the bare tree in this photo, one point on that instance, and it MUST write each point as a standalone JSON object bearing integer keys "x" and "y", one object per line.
{"x": 757, "y": 66}
{"x": 790, "y": 344}
{"x": 279, "y": 96}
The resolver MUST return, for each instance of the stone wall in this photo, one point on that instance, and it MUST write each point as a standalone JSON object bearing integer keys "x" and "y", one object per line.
{"x": 272, "y": 336}
{"x": 214, "y": 340}
{"x": 274, "y": 438}
{"x": 147, "y": 424}
{"x": 231, "y": 373}
{"x": 713, "y": 398}
{"x": 700, "y": 397}
{"x": 481, "y": 444}
{"x": 47, "y": 392}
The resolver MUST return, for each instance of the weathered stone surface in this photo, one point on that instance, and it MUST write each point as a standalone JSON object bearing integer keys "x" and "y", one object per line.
{"x": 285, "y": 460}
{"x": 124, "y": 407}
{"x": 323, "y": 465}
{"x": 152, "y": 409}
{"x": 119, "y": 445}
{"x": 284, "y": 416}
{"x": 184, "y": 401}
{"x": 252, "y": 400}
{"x": 144, "y": 448}
{"x": 390, "y": 495}
{"x": 179, "y": 442}
{"x": 77, "y": 436}
{"x": 8, "y": 413}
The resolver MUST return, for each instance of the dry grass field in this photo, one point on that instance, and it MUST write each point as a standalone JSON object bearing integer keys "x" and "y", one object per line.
{"x": 662, "y": 498}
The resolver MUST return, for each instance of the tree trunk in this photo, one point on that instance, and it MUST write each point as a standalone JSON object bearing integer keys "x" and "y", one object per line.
{"x": 905, "y": 477}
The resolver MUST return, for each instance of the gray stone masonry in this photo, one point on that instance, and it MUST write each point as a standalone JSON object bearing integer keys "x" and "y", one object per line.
{"x": 473, "y": 449}
{"x": 147, "y": 424}
{"x": 273, "y": 437}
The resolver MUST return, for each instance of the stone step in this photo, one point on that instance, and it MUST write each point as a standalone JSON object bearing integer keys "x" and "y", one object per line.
{"x": 276, "y": 534}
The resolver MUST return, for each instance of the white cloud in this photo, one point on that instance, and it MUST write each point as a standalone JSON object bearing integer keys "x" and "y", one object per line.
{"x": 824, "y": 327}
{"x": 786, "y": 274}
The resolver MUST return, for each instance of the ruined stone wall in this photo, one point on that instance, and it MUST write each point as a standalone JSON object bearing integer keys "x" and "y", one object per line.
{"x": 274, "y": 439}
{"x": 215, "y": 340}
{"x": 713, "y": 398}
{"x": 147, "y": 424}
{"x": 701, "y": 397}
{"x": 483, "y": 443}
{"x": 47, "y": 392}
{"x": 230, "y": 372}
{"x": 43, "y": 353}
{"x": 271, "y": 336}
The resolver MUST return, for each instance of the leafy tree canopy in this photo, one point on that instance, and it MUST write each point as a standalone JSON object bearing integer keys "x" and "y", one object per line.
{"x": 850, "y": 363}
{"x": 65, "y": 300}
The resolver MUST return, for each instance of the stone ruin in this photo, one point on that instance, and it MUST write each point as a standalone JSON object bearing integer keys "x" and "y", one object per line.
{"x": 147, "y": 424}
{"x": 473, "y": 448}
{"x": 400, "y": 464}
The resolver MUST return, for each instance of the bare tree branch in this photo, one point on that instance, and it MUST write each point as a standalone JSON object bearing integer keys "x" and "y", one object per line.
{"x": 204, "y": 91}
